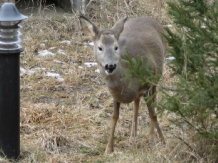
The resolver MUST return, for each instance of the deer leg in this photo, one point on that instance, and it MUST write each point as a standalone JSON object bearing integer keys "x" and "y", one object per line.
{"x": 153, "y": 117}
{"x": 115, "y": 116}
{"x": 135, "y": 119}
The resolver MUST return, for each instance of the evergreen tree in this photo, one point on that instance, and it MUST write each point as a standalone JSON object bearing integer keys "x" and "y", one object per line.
{"x": 193, "y": 41}
{"x": 194, "y": 44}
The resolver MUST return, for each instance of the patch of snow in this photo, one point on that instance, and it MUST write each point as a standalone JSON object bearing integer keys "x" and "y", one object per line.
{"x": 81, "y": 67}
{"x": 52, "y": 74}
{"x": 97, "y": 71}
{"x": 90, "y": 64}
{"x": 42, "y": 44}
{"x": 45, "y": 53}
{"x": 57, "y": 61}
{"x": 22, "y": 70}
{"x": 60, "y": 79}
{"x": 68, "y": 42}
{"x": 61, "y": 52}
{"x": 51, "y": 48}
{"x": 28, "y": 72}
{"x": 170, "y": 58}
{"x": 91, "y": 43}
{"x": 169, "y": 25}
{"x": 55, "y": 75}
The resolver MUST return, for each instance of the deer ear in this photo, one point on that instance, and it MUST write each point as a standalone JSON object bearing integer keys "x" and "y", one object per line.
{"x": 88, "y": 27}
{"x": 118, "y": 27}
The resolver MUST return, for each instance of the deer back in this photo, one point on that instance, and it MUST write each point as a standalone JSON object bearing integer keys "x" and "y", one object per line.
{"x": 143, "y": 37}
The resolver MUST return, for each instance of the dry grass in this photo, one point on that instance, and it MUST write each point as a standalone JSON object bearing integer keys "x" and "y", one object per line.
{"x": 68, "y": 121}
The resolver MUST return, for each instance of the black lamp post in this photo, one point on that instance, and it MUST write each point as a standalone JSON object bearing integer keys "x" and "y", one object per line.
{"x": 10, "y": 48}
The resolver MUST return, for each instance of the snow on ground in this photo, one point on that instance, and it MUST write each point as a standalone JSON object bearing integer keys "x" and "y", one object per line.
{"x": 170, "y": 58}
{"x": 28, "y": 72}
{"x": 60, "y": 51}
{"x": 169, "y": 25}
{"x": 57, "y": 61}
{"x": 68, "y": 42}
{"x": 45, "y": 53}
{"x": 97, "y": 71}
{"x": 90, "y": 64}
{"x": 89, "y": 43}
{"x": 55, "y": 75}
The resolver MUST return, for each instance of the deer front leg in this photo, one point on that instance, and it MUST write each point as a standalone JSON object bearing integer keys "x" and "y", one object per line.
{"x": 115, "y": 117}
{"x": 135, "y": 119}
{"x": 153, "y": 117}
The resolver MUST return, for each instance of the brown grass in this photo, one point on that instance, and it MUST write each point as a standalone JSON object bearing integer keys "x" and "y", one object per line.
{"x": 68, "y": 121}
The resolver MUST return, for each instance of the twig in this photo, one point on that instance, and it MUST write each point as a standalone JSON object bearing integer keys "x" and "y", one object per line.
{"x": 184, "y": 142}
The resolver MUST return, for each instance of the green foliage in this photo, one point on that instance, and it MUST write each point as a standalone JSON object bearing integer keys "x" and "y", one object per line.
{"x": 196, "y": 24}
{"x": 140, "y": 71}
{"x": 194, "y": 44}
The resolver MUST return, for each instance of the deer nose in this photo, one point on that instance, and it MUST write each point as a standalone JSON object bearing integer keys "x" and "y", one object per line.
{"x": 110, "y": 67}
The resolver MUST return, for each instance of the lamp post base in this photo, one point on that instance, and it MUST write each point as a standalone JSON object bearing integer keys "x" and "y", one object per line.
{"x": 10, "y": 105}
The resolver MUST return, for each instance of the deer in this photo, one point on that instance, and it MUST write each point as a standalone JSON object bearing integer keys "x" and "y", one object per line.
{"x": 141, "y": 36}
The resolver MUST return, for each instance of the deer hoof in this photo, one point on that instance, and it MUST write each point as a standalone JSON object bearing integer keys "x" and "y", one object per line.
{"x": 109, "y": 150}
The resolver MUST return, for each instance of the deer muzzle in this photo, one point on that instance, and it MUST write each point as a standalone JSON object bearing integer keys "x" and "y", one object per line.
{"x": 109, "y": 68}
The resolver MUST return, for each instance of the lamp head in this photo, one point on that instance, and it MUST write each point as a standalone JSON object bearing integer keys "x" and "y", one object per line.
{"x": 10, "y": 35}
{"x": 9, "y": 15}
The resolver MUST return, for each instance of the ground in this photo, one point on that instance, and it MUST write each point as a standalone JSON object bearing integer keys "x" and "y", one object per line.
{"x": 65, "y": 105}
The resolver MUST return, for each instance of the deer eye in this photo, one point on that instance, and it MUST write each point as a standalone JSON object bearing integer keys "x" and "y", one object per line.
{"x": 116, "y": 48}
{"x": 100, "y": 49}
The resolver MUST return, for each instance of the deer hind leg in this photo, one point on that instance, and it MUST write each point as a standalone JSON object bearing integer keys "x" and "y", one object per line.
{"x": 153, "y": 117}
{"x": 115, "y": 117}
{"x": 135, "y": 119}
